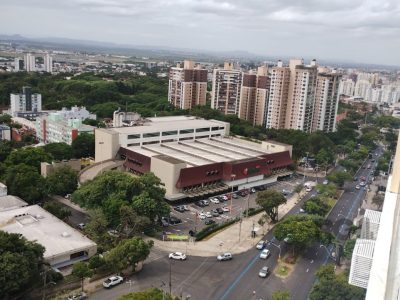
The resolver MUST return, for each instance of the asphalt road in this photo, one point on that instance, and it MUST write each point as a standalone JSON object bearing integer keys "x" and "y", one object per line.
{"x": 206, "y": 278}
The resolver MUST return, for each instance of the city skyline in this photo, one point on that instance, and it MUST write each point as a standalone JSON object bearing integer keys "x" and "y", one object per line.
{"x": 359, "y": 31}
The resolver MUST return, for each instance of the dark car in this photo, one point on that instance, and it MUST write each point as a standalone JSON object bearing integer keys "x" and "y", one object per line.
{"x": 200, "y": 203}
{"x": 355, "y": 178}
{"x": 209, "y": 222}
{"x": 235, "y": 196}
{"x": 219, "y": 210}
{"x": 192, "y": 233}
{"x": 215, "y": 213}
{"x": 179, "y": 208}
{"x": 174, "y": 220}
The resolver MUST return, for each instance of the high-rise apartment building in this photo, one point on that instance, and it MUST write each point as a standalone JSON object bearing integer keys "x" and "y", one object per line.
{"x": 254, "y": 96}
{"x": 226, "y": 88}
{"x": 362, "y": 88}
{"x": 30, "y": 62}
{"x": 301, "y": 97}
{"x": 18, "y": 64}
{"x": 48, "y": 63}
{"x": 187, "y": 86}
{"x": 278, "y": 96}
{"x": 25, "y": 104}
{"x": 326, "y": 101}
{"x": 346, "y": 87}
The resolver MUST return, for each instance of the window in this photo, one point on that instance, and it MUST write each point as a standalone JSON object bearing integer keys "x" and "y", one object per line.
{"x": 151, "y": 134}
{"x": 173, "y": 132}
{"x": 202, "y": 129}
{"x": 215, "y": 128}
{"x": 184, "y": 131}
{"x": 133, "y": 136}
{"x": 149, "y": 143}
{"x": 133, "y": 144}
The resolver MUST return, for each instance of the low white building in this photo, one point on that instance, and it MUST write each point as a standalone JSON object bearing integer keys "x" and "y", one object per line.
{"x": 63, "y": 244}
{"x": 26, "y": 104}
{"x": 76, "y": 112}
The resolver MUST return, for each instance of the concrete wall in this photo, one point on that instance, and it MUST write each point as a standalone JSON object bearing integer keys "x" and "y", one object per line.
{"x": 107, "y": 144}
{"x": 91, "y": 250}
{"x": 168, "y": 174}
{"x": 276, "y": 147}
{"x": 46, "y": 168}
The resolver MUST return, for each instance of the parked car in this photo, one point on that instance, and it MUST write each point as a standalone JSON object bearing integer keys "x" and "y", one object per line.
{"x": 357, "y": 187}
{"x": 252, "y": 190}
{"x": 177, "y": 256}
{"x": 362, "y": 183}
{"x": 179, "y": 209}
{"x": 285, "y": 192}
{"x": 225, "y": 197}
{"x": 202, "y": 216}
{"x": 208, "y": 214}
{"x": 174, "y": 220}
{"x": 164, "y": 222}
{"x": 81, "y": 226}
{"x": 80, "y": 296}
{"x": 219, "y": 210}
{"x": 214, "y": 200}
{"x": 263, "y": 272}
{"x": 235, "y": 196}
{"x": 206, "y": 203}
{"x": 325, "y": 181}
{"x": 215, "y": 213}
{"x": 112, "y": 281}
{"x": 355, "y": 178}
{"x": 185, "y": 207}
{"x": 224, "y": 256}
{"x": 301, "y": 211}
{"x": 200, "y": 203}
{"x": 265, "y": 253}
{"x": 225, "y": 209}
{"x": 260, "y": 245}
{"x": 209, "y": 222}
{"x": 308, "y": 188}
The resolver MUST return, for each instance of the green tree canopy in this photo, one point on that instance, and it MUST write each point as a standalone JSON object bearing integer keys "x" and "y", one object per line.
{"x": 128, "y": 253}
{"x": 83, "y": 145}
{"x": 332, "y": 287}
{"x": 5, "y": 150}
{"x": 25, "y": 182}
{"x": 59, "y": 151}
{"x": 57, "y": 209}
{"x": 270, "y": 200}
{"x": 62, "y": 181}
{"x": 81, "y": 270}
{"x": 29, "y": 156}
{"x": 280, "y": 295}
{"x": 339, "y": 177}
{"x": 315, "y": 206}
{"x": 20, "y": 263}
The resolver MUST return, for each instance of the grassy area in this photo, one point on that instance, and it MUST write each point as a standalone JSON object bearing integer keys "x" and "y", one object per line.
{"x": 176, "y": 237}
{"x": 283, "y": 270}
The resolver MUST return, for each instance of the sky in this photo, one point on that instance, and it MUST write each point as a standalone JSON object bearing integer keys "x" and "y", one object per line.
{"x": 366, "y": 31}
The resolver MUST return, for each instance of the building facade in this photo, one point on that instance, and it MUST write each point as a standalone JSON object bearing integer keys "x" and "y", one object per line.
{"x": 48, "y": 63}
{"x": 26, "y": 104}
{"x": 226, "y": 87}
{"x": 254, "y": 96}
{"x": 29, "y": 62}
{"x": 187, "y": 86}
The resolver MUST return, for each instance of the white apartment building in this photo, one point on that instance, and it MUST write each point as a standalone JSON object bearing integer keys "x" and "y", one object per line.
{"x": 226, "y": 85}
{"x": 30, "y": 62}
{"x": 372, "y": 78}
{"x": 362, "y": 88}
{"x": 48, "y": 63}
{"x": 25, "y": 104}
{"x": 346, "y": 87}
{"x": 76, "y": 112}
{"x": 55, "y": 128}
{"x": 18, "y": 64}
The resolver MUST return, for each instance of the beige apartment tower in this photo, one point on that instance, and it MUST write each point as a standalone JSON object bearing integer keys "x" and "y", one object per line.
{"x": 326, "y": 101}
{"x": 226, "y": 86}
{"x": 278, "y": 96}
{"x": 254, "y": 96}
{"x": 187, "y": 86}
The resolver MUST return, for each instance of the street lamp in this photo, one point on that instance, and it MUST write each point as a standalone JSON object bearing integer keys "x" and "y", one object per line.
{"x": 331, "y": 255}
{"x": 277, "y": 246}
{"x": 233, "y": 176}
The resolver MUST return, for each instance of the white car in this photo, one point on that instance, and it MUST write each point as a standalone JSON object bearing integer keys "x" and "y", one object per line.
{"x": 265, "y": 253}
{"x": 357, "y": 187}
{"x": 112, "y": 281}
{"x": 260, "y": 245}
{"x": 263, "y": 272}
{"x": 325, "y": 181}
{"x": 224, "y": 256}
{"x": 225, "y": 209}
{"x": 225, "y": 197}
{"x": 362, "y": 183}
{"x": 214, "y": 200}
{"x": 185, "y": 207}
{"x": 208, "y": 214}
{"x": 206, "y": 202}
{"x": 177, "y": 256}
{"x": 202, "y": 216}
{"x": 308, "y": 189}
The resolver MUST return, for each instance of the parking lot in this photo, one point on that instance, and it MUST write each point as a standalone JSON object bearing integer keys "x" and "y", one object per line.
{"x": 191, "y": 217}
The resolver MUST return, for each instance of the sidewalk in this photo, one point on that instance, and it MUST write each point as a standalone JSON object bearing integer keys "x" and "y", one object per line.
{"x": 235, "y": 239}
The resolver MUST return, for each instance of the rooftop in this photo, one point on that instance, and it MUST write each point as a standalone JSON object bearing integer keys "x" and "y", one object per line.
{"x": 11, "y": 202}
{"x": 36, "y": 224}
{"x": 168, "y": 123}
{"x": 204, "y": 151}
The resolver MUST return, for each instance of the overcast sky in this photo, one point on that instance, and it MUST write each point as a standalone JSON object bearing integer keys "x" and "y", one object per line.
{"x": 348, "y": 30}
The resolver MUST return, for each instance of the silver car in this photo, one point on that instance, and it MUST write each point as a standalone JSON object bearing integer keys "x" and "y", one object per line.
{"x": 263, "y": 272}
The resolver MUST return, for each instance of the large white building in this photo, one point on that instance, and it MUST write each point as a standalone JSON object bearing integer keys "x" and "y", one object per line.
{"x": 48, "y": 63}
{"x": 30, "y": 62}
{"x": 346, "y": 87}
{"x": 26, "y": 104}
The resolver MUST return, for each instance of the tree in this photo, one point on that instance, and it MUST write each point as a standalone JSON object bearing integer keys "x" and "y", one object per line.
{"x": 327, "y": 190}
{"x": 81, "y": 270}
{"x": 280, "y": 295}
{"x": 97, "y": 229}
{"x": 128, "y": 253}
{"x": 378, "y": 201}
{"x": 5, "y": 150}
{"x": 62, "y": 181}
{"x": 29, "y": 156}
{"x": 324, "y": 157}
{"x": 315, "y": 206}
{"x": 59, "y": 151}
{"x": 300, "y": 230}
{"x": 270, "y": 200}
{"x": 298, "y": 189}
{"x": 148, "y": 294}
{"x": 57, "y": 209}
{"x": 20, "y": 263}
{"x": 332, "y": 287}
{"x": 339, "y": 178}
{"x": 24, "y": 181}
{"x": 83, "y": 145}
